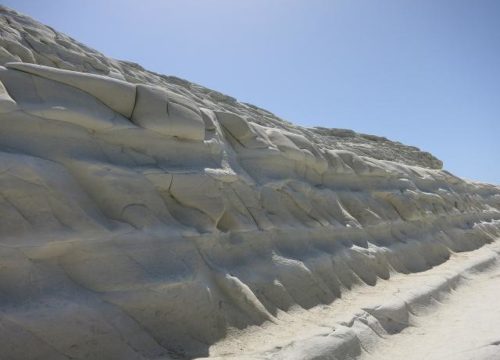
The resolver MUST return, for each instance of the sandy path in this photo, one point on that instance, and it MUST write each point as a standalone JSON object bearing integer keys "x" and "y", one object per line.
{"x": 465, "y": 326}
{"x": 463, "y": 322}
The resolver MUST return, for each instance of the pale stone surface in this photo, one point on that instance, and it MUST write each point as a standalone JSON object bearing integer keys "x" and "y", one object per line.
{"x": 146, "y": 217}
{"x": 117, "y": 95}
{"x": 7, "y": 104}
{"x": 157, "y": 110}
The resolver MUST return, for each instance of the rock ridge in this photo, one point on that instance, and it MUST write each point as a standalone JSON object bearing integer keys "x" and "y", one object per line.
{"x": 146, "y": 217}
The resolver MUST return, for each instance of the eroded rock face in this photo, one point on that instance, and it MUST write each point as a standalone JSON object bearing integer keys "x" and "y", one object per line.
{"x": 141, "y": 216}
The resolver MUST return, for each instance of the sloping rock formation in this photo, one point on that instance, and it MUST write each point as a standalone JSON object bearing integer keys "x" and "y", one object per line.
{"x": 146, "y": 217}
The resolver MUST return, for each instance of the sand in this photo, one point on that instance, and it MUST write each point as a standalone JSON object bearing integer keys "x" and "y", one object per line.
{"x": 465, "y": 326}
{"x": 451, "y": 310}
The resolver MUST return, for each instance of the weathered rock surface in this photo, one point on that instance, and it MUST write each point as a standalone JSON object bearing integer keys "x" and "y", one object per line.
{"x": 146, "y": 217}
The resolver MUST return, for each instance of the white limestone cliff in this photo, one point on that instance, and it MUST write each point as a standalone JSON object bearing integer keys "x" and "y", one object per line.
{"x": 146, "y": 217}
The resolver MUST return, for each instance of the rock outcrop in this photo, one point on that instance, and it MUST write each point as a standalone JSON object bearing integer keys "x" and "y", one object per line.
{"x": 144, "y": 217}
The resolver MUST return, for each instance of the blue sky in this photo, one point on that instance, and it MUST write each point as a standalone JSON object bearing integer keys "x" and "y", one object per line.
{"x": 423, "y": 72}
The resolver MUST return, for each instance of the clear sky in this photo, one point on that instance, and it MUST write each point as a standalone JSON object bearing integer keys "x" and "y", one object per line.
{"x": 423, "y": 72}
